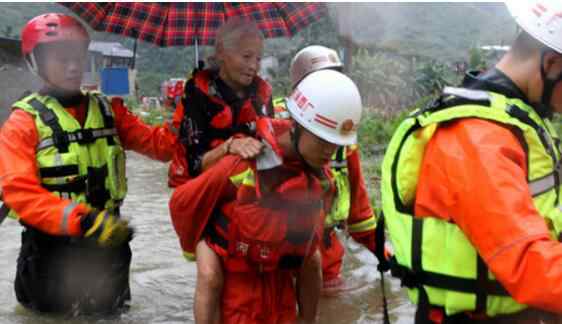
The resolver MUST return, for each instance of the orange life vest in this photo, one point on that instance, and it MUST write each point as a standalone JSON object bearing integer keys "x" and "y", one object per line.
{"x": 224, "y": 121}
{"x": 276, "y": 220}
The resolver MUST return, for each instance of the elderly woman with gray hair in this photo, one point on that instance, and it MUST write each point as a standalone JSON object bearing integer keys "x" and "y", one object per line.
{"x": 220, "y": 109}
{"x": 222, "y": 103}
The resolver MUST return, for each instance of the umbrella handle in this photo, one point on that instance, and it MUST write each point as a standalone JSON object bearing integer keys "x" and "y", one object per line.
{"x": 196, "y": 53}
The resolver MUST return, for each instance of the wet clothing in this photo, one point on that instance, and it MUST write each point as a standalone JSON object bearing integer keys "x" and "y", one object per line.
{"x": 263, "y": 224}
{"x": 212, "y": 113}
{"x": 267, "y": 297}
{"x": 481, "y": 209}
{"x": 351, "y": 209}
{"x": 49, "y": 185}
{"x": 67, "y": 275}
{"x": 356, "y": 214}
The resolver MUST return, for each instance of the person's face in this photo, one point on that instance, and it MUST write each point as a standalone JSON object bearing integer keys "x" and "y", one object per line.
{"x": 240, "y": 65}
{"x": 62, "y": 65}
{"x": 315, "y": 151}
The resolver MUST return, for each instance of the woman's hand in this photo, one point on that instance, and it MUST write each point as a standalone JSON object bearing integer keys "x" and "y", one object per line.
{"x": 246, "y": 148}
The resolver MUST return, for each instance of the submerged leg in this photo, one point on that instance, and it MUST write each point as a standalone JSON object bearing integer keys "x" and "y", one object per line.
{"x": 309, "y": 286}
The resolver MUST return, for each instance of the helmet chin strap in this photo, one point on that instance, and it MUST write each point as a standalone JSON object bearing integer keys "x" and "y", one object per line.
{"x": 295, "y": 137}
{"x": 544, "y": 109}
{"x": 31, "y": 63}
{"x": 296, "y": 133}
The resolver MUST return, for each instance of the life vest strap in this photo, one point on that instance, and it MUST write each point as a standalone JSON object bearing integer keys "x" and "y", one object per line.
{"x": 286, "y": 262}
{"x": 413, "y": 279}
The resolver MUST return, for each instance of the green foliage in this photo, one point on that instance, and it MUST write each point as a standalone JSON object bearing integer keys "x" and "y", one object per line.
{"x": 393, "y": 74}
{"x": 149, "y": 83}
{"x": 383, "y": 79}
{"x": 15, "y": 15}
{"x": 281, "y": 85}
{"x": 377, "y": 126}
{"x": 430, "y": 77}
{"x": 391, "y": 82}
{"x": 376, "y": 130}
{"x": 322, "y": 32}
{"x": 476, "y": 59}
{"x": 132, "y": 103}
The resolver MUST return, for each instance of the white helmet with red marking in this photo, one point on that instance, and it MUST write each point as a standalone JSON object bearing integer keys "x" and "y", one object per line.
{"x": 541, "y": 19}
{"x": 328, "y": 104}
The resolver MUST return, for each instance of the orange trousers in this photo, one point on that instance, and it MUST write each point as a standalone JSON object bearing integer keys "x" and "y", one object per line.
{"x": 332, "y": 257}
{"x": 254, "y": 297}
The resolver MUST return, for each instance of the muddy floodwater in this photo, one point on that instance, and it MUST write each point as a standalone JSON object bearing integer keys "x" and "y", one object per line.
{"x": 162, "y": 281}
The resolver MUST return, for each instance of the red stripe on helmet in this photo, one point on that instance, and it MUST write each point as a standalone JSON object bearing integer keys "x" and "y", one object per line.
{"x": 320, "y": 121}
{"x": 327, "y": 120}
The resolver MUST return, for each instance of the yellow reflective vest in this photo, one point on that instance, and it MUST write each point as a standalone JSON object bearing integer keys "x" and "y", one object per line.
{"x": 460, "y": 282}
{"x": 84, "y": 164}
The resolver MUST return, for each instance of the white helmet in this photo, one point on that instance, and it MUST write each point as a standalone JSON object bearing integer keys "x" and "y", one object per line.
{"x": 540, "y": 19}
{"x": 327, "y": 103}
{"x": 313, "y": 58}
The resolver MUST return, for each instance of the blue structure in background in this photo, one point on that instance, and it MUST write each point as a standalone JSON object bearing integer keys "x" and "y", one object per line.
{"x": 115, "y": 81}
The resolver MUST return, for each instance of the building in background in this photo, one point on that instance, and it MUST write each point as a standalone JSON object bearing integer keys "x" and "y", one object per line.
{"x": 110, "y": 69}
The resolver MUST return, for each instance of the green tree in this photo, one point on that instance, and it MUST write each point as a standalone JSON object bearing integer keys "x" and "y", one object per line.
{"x": 476, "y": 59}
{"x": 431, "y": 77}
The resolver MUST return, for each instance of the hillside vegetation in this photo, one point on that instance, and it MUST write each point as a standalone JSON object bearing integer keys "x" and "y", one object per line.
{"x": 400, "y": 48}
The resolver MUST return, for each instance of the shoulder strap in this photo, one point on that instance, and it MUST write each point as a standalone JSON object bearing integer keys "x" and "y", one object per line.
{"x": 452, "y": 97}
{"x": 49, "y": 118}
{"x": 107, "y": 113}
{"x": 61, "y": 138}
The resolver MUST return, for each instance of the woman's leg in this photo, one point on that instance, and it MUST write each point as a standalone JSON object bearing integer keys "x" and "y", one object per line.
{"x": 209, "y": 285}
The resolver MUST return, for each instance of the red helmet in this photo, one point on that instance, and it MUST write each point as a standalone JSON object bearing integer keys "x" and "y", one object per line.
{"x": 51, "y": 27}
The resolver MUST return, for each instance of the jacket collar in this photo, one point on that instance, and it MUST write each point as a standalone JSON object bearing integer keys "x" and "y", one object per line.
{"x": 496, "y": 81}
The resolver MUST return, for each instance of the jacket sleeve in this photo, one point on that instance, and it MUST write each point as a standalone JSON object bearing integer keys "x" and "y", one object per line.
{"x": 177, "y": 117}
{"x": 474, "y": 174}
{"x": 193, "y": 202}
{"x": 157, "y": 142}
{"x": 361, "y": 221}
{"x": 21, "y": 186}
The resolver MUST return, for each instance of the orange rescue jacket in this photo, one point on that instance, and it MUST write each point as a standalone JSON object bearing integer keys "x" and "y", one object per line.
{"x": 21, "y": 186}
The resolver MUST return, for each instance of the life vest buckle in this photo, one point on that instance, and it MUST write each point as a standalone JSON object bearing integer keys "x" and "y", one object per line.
{"x": 408, "y": 277}
{"x": 86, "y": 136}
{"x": 61, "y": 142}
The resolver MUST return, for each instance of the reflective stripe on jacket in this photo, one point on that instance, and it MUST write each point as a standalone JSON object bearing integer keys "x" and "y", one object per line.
{"x": 433, "y": 253}
{"x": 84, "y": 164}
{"x": 19, "y": 170}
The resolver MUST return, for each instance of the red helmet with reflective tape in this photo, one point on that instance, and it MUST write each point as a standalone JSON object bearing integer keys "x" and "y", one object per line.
{"x": 49, "y": 28}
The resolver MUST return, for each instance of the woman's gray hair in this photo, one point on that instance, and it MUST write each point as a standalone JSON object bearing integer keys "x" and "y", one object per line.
{"x": 228, "y": 36}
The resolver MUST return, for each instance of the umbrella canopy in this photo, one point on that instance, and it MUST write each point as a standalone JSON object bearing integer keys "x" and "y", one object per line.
{"x": 184, "y": 24}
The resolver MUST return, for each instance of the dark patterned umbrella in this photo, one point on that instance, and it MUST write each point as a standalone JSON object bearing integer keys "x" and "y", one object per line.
{"x": 184, "y": 24}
